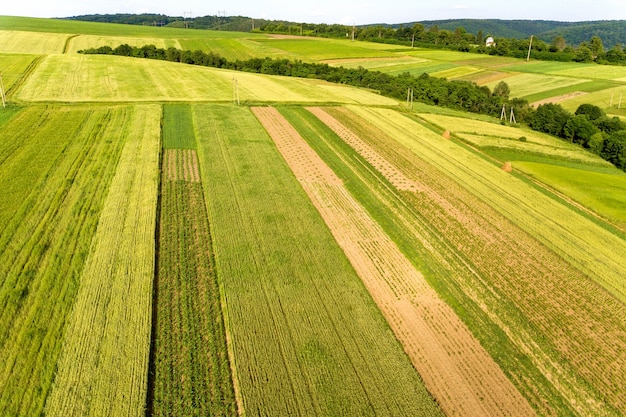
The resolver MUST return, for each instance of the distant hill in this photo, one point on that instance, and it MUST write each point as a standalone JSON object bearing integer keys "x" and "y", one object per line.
{"x": 228, "y": 23}
{"x": 610, "y": 31}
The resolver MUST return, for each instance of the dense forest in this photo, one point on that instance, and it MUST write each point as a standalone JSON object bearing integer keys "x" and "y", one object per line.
{"x": 589, "y": 127}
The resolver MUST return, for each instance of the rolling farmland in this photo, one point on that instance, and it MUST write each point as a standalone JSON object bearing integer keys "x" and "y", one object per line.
{"x": 316, "y": 250}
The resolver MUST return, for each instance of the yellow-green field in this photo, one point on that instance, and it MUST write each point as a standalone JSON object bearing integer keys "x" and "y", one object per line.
{"x": 97, "y": 78}
{"x": 166, "y": 249}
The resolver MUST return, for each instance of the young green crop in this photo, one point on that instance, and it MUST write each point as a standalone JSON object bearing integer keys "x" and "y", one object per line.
{"x": 32, "y": 42}
{"x": 89, "y": 78}
{"x": 56, "y": 164}
{"x": 103, "y": 367}
{"x": 177, "y": 131}
{"x": 305, "y": 335}
{"x": 190, "y": 371}
{"x": 603, "y": 192}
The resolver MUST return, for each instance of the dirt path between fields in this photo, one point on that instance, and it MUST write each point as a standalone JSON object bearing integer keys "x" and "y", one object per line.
{"x": 457, "y": 371}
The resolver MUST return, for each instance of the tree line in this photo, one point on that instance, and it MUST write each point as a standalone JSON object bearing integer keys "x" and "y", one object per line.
{"x": 588, "y": 127}
{"x": 591, "y": 50}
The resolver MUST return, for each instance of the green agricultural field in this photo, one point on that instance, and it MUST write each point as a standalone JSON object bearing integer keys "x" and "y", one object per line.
{"x": 103, "y": 367}
{"x": 324, "y": 49}
{"x": 457, "y": 72}
{"x": 178, "y": 132}
{"x": 92, "y": 78}
{"x": 158, "y": 256}
{"x": 603, "y": 99}
{"x": 306, "y": 336}
{"x": 14, "y": 42}
{"x": 14, "y": 66}
{"x": 74, "y": 27}
{"x": 538, "y": 219}
{"x": 234, "y": 49}
{"x": 81, "y": 42}
{"x": 190, "y": 370}
{"x": 56, "y": 164}
{"x": 516, "y": 256}
{"x": 492, "y": 136}
{"x": 605, "y": 193}
{"x": 524, "y": 85}
{"x": 376, "y": 64}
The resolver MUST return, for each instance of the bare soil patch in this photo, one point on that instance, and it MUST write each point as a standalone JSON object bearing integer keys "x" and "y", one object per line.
{"x": 181, "y": 165}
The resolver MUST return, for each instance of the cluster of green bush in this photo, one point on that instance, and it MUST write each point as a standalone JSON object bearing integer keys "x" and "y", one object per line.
{"x": 589, "y": 127}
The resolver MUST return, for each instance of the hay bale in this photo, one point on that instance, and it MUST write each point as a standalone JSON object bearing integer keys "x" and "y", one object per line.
{"x": 507, "y": 167}
{"x": 446, "y": 134}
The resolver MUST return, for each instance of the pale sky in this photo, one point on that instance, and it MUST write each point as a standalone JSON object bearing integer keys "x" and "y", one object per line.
{"x": 333, "y": 11}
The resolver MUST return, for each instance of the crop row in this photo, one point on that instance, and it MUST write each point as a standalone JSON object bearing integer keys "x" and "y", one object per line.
{"x": 444, "y": 352}
{"x": 569, "y": 325}
{"x": 190, "y": 371}
{"x": 305, "y": 335}
{"x": 56, "y": 167}
{"x": 103, "y": 367}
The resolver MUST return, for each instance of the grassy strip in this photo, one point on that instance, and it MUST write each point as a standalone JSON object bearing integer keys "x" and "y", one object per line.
{"x": 57, "y": 164}
{"x": 306, "y": 337}
{"x": 104, "y": 365}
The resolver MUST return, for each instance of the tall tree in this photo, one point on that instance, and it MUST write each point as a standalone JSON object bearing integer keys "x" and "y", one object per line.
{"x": 596, "y": 46}
{"x": 559, "y": 43}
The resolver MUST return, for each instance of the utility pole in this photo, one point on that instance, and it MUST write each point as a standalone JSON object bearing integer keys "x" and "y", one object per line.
{"x": 413, "y": 41}
{"x": 235, "y": 91}
{"x": 529, "y": 46}
{"x": 220, "y": 14}
{"x": 503, "y": 114}
{"x": 352, "y": 32}
{"x": 185, "y": 15}
{"x": 512, "y": 119}
{"x": 4, "y": 97}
